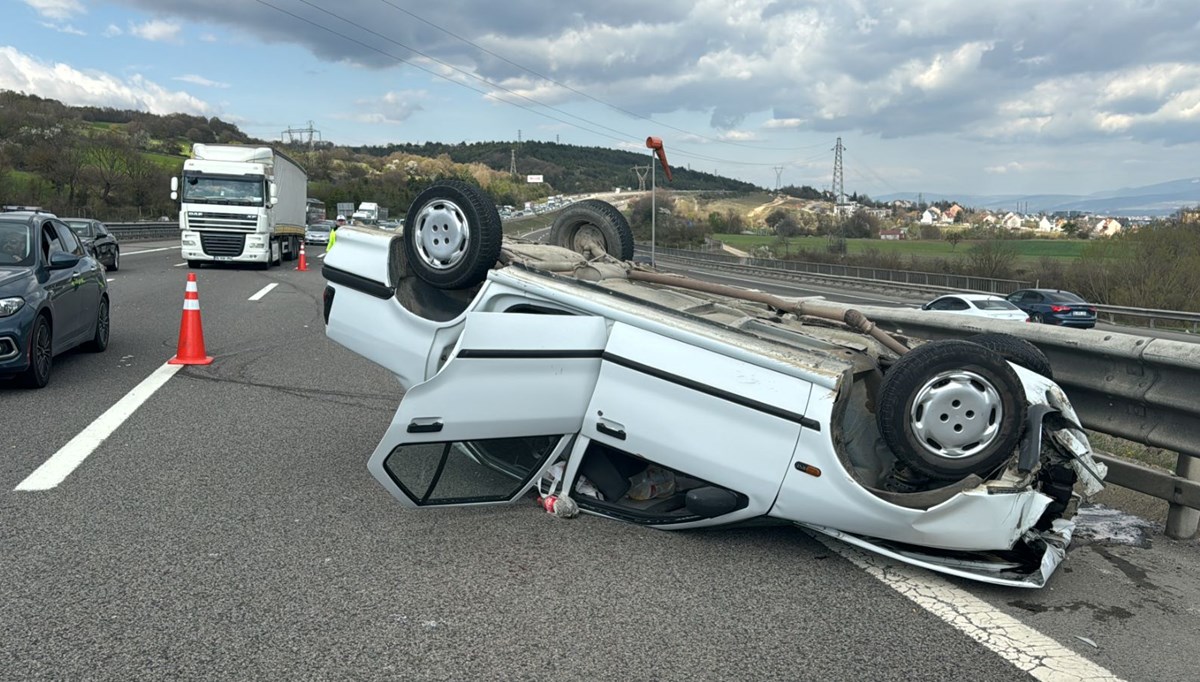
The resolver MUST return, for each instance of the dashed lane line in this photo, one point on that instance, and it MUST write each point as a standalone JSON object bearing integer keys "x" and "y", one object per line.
{"x": 60, "y": 465}
{"x": 263, "y": 292}
{"x": 1022, "y": 646}
{"x": 165, "y": 248}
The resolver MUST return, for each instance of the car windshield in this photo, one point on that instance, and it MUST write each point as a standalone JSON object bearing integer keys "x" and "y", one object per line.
{"x": 1063, "y": 297}
{"x": 994, "y": 304}
{"x": 318, "y": 227}
{"x": 79, "y": 227}
{"x": 15, "y": 244}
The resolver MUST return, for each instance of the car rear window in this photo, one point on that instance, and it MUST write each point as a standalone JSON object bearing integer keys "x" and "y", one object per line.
{"x": 994, "y": 304}
{"x": 1063, "y": 297}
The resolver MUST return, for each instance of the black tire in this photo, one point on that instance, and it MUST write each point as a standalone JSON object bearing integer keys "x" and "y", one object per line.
{"x": 116, "y": 260}
{"x": 452, "y": 235}
{"x": 41, "y": 355}
{"x": 99, "y": 342}
{"x": 593, "y": 221}
{"x": 949, "y": 409}
{"x": 1017, "y": 351}
{"x": 1037, "y": 318}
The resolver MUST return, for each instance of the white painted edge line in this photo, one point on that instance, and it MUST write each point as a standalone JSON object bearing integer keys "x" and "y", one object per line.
{"x": 179, "y": 265}
{"x": 165, "y": 248}
{"x": 60, "y": 465}
{"x": 110, "y": 279}
{"x": 263, "y": 292}
{"x": 320, "y": 255}
{"x": 1022, "y": 646}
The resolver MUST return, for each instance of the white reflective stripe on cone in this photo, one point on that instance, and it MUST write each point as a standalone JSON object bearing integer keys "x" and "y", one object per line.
{"x": 191, "y": 287}
{"x": 191, "y": 304}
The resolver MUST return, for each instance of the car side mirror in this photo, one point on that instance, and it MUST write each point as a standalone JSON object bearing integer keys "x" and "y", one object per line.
{"x": 61, "y": 260}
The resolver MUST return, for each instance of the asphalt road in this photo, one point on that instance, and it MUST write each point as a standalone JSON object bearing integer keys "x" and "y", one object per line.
{"x": 228, "y": 529}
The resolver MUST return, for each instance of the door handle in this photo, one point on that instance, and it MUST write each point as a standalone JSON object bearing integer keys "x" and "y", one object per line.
{"x": 427, "y": 427}
{"x": 610, "y": 431}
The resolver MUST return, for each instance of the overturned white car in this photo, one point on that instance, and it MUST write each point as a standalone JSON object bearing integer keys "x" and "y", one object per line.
{"x": 675, "y": 403}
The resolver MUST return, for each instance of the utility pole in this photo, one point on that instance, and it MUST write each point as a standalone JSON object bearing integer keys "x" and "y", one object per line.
{"x": 839, "y": 193}
{"x": 641, "y": 176}
{"x": 518, "y": 136}
{"x": 512, "y": 166}
{"x": 778, "y": 177}
{"x": 307, "y": 135}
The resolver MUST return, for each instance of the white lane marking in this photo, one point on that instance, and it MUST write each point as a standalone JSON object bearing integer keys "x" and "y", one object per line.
{"x": 109, "y": 279}
{"x": 1022, "y": 646}
{"x": 179, "y": 265}
{"x": 320, "y": 255}
{"x": 263, "y": 292}
{"x": 60, "y": 465}
{"x": 134, "y": 253}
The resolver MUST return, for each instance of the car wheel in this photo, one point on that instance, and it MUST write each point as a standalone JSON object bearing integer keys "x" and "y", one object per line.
{"x": 453, "y": 235}
{"x": 1017, "y": 351}
{"x": 951, "y": 408}
{"x": 99, "y": 342}
{"x": 591, "y": 226}
{"x": 1037, "y": 318}
{"x": 41, "y": 355}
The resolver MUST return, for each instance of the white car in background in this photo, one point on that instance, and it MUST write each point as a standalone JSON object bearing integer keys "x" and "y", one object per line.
{"x": 979, "y": 305}
{"x": 674, "y": 403}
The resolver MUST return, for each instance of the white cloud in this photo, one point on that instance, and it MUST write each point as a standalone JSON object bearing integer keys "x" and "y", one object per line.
{"x": 57, "y": 9}
{"x": 200, "y": 80}
{"x": 783, "y": 123}
{"x": 157, "y": 30}
{"x": 112, "y": 31}
{"x": 208, "y": 37}
{"x": 64, "y": 28}
{"x": 392, "y": 108}
{"x": 22, "y": 73}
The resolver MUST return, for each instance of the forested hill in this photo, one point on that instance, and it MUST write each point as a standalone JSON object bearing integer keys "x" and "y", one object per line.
{"x": 566, "y": 168}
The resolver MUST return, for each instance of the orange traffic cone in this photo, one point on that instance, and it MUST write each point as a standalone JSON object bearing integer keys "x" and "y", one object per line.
{"x": 303, "y": 261}
{"x": 191, "y": 334}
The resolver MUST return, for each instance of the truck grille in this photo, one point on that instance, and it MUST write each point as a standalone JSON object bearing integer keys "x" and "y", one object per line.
{"x": 223, "y": 221}
{"x": 218, "y": 244}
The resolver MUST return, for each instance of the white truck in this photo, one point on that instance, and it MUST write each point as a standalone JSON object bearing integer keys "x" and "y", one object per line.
{"x": 368, "y": 212}
{"x": 240, "y": 204}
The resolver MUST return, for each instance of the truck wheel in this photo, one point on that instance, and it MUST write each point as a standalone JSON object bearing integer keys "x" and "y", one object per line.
{"x": 452, "y": 235}
{"x": 1017, "y": 351}
{"x": 951, "y": 408}
{"x": 592, "y": 226}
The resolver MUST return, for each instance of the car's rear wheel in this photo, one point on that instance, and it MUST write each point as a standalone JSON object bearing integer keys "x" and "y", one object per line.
{"x": 41, "y": 355}
{"x": 1037, "y": 317}
{"x": 1017, "y": 351}
{"x": 99, "y": 342}
{"x": 951, "y": 408}
{"x": 592, "y": 226}
{"x": 452, "y": 235}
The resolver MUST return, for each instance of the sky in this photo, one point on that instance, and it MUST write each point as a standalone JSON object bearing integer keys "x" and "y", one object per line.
{"x": 935, "y": 96}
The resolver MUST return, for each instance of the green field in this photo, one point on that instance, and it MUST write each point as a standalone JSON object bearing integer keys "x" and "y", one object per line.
{"x": 165, "y": 161}
{"x": 1027, "y": 249}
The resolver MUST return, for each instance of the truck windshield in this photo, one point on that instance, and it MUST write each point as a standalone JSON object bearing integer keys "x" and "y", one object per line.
{"x": 222, "y": 189}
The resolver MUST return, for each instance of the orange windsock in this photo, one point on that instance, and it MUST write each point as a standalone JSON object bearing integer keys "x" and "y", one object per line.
{"x": 657, "y": 145}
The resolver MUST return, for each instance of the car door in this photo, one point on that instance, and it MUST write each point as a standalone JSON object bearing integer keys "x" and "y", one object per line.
{"x": 60, "y": 287}
{"x": 88, "y": 279}
{"x": 503, "y": 407}
{"x": 700, "y": 413}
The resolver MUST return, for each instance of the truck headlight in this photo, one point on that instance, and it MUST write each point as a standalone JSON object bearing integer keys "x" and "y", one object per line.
{"x": 254, "y": 241}
{"x": 189, "y": 241}
{"x": 10, "y": 306}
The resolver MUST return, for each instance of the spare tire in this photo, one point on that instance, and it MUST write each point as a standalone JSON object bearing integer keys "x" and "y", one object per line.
{"x": 592, "y": 224}
{"x": 452, "y": 235}
{"x": 949, "y": 409}
{"x": 1017, "y": 351}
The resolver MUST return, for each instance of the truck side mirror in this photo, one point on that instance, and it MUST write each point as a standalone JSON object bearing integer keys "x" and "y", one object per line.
{"x": 274, "y": 194}
{"x": 174, "y": 188}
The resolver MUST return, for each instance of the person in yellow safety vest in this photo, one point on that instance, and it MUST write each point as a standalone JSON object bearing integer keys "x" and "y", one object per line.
{"x": 341, "y": 220}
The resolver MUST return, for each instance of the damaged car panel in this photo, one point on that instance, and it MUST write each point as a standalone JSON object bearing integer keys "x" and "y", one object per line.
{"x": 673, "y": 403}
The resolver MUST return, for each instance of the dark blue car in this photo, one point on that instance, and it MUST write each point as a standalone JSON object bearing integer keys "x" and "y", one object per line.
{"x": 1052, "y": 306}
{"x": 53, "y": 296}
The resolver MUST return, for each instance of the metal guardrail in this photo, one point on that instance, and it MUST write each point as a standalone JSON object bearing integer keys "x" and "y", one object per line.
{"x": 132, "y": 232}
{"x": 1140, "y": 389}
{"x": 921, "y": 282}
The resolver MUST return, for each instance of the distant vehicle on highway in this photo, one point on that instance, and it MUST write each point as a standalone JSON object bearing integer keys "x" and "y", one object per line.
{"x": 96, "y": 238}
{"x": 1053, "y": 306}
{"x": 979, "y": 305}
{"x": 53, "y": 296}
{"x": 318, "y": 232}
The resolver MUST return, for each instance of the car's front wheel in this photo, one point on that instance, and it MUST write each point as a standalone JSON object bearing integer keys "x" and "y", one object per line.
{"x": 591, "y": 226}
{"x": 1017, "y": 351}
{"x": 41, "y": 355}
{"x": 99, "y": 342}
{"x": 951, "y": 408}
{"x": 453, "y": 235}
{"x": 116, "y": 260}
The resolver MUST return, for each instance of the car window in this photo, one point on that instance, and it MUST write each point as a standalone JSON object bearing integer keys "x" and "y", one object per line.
{"x": 15, "y": 244}
{"x": 50, "y": 242}
{"x": 81, "y": 227}
{"x": 1031, "y": 297}
{"x": 949, "y": 303}
{"x": 1064, "y": 297}
{"x": 70, "y": 243}
{"x": 994, "y": 304}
